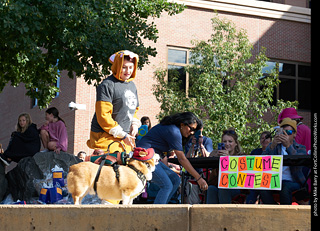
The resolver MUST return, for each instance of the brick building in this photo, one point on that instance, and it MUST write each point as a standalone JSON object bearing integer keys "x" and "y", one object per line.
{"x": 282, "y": 26}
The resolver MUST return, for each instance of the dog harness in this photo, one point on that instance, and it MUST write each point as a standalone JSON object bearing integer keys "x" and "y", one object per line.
{"x": 115, "y": 165}
{"x": 140, "y": 174}
{"x": 116, "y": 170}
{"x": 98, "y": 174}
{"x": 112, "y": 161}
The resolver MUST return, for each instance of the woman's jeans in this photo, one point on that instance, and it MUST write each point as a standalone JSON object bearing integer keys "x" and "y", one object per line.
{"x": 168, "y": 182}
{"x": 220, "y": 196}
{"x": 288, "y": 187}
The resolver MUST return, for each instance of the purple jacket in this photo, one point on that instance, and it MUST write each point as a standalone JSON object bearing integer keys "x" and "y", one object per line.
{"x": 58, "y": 132}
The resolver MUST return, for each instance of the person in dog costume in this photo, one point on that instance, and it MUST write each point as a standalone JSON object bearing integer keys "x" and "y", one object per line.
{"x": 117, "y": 104}
{"x": 116, "y": 107}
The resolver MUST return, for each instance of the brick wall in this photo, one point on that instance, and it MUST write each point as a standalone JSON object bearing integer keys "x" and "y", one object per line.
{"x": 14, "y": 102}
{"x": 284, "y": 40}
{"x": 85, "y": 94}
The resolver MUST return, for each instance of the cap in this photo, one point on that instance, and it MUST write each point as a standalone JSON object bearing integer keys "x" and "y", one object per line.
{"x": 288, "y": 121}
{"x": 143, "y": 154}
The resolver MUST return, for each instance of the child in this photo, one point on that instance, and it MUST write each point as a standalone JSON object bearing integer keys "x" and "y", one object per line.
{"x": 82, "y": 155}
{"x": 53, "y": 133}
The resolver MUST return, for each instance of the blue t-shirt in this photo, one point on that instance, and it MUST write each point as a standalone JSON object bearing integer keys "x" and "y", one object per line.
{"x": 162, "y": 138}
{"x": 207, "y": 143}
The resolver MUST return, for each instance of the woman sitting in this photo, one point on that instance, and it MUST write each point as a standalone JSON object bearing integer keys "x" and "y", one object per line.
{"x": 53, "y": 133}
{"x": 217, "y": 195}
{"x": 25, "y": 141}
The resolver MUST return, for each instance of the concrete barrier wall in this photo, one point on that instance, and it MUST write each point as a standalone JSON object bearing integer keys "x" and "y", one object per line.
{"x": 154, "y": 217}
{"x": 250, "y": 217}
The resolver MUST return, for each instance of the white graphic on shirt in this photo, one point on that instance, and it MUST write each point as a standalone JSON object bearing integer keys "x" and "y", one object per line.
{"x": 131, "y": 102}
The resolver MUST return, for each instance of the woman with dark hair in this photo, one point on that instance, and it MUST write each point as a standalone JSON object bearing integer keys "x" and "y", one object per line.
{"x": 166, "y": 139}
{"x": 200, "y": 146}
{"x": 24, "y": 141}
{"x": 145, "y": 120}
{"x": 265, "y": 140}
{"x": 53, "y": 133}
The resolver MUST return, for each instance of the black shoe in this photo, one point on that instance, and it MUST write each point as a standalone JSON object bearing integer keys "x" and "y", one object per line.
{"x": 4, "y": 160}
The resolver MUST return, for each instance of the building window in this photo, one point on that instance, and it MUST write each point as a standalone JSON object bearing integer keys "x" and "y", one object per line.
{"x": 295, "y": 77}
{"x": 295, "y": 82}
{"x": 178, "y": 59}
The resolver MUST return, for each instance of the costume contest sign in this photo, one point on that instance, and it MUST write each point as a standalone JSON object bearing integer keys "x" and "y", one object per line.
{"x": 250, "y": 172}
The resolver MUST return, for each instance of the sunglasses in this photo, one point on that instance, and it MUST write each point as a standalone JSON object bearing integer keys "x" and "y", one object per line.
{"x": 229, "y": 132}
{"x": 289, "y": 132}
{"x": 191, "y": 128}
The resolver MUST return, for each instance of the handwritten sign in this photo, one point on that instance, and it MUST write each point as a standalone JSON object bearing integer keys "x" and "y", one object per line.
{"x": 250, "y": 172}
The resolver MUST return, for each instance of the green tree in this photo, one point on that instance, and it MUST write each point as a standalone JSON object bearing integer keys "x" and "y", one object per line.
{"x": 38, "y": 38}
{"x": 227, "y": 87}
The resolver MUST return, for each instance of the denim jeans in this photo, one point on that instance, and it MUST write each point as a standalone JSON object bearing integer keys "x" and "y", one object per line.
{"x": 288, "y": 187}
{"x": 220, "y": 196}
{"x": 252, "y": 197}
{"x": 168, "y": 182}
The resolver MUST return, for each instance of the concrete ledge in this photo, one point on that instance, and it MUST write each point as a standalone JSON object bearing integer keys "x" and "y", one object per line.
{"x": 154, "y": 217}
{"x": 94, "y": 217}
{"x": 250, "y": 217}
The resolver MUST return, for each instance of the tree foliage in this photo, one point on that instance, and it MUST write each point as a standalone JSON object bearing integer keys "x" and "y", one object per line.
{"x": 40, "y": 37}
{"x": 226, "y": 87}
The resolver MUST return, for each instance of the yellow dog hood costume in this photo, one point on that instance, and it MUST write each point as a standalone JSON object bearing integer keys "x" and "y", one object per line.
{"x": 116, "y": 106}
{"x": 117, "y": 62}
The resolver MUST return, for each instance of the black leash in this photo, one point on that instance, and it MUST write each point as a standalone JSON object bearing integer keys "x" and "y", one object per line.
{"x": 98, "y": 173}
{"x": 116, "y": 169}
{"x": 103, "y": 158}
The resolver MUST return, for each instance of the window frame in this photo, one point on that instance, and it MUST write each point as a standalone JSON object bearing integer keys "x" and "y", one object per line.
{"x": 187, "y": 50}
{"x": 296, "y": 78}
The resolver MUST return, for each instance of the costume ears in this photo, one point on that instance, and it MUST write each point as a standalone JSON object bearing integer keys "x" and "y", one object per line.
{"x": 117, "y": 61}
{"x": 120, "y": 54}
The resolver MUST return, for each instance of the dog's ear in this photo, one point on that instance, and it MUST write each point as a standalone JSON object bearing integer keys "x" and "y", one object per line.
{"x": 141, "y": 165}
